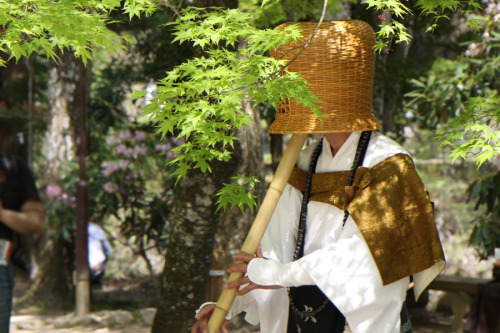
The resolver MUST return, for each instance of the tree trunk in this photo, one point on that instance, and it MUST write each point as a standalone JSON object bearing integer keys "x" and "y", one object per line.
{"x": 60, "y": 140}
{"x": 193, "y": 234}
{"x": 191, "y": 240}
{"x": 53, "y": 281}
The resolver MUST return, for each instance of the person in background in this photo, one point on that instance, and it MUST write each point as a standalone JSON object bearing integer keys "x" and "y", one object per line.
{"x": 21, "y": 211}
{"x": 99, "y": 252}
{"x": 484, "y": 315}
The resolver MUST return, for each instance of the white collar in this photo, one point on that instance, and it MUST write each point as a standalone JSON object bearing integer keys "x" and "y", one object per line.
{"x": 343, "y": 158}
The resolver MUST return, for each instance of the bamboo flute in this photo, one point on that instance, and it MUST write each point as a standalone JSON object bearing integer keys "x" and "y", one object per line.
{"x": 259, "y": 225}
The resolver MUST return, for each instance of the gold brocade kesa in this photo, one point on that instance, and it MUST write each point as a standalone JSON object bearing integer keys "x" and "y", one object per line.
{"x": 390, "y": 207}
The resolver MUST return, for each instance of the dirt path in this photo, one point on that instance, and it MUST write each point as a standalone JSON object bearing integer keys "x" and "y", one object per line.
{"x": 35, "y": 324}
{"x": 124, "y": 307}
{"x": 437, "y": 323}
{"x": 119, "y": 317}
{"x": 45, "y": 324}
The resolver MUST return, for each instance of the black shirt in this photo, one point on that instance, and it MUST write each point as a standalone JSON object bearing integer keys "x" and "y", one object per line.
{"x": 17, "y": 186}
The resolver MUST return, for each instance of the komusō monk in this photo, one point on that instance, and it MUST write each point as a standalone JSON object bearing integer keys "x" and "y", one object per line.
{"x": 354, "y": 225}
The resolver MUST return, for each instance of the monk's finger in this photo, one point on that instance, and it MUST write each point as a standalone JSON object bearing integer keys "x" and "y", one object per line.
{"x": 237, "y": 283}
{"x": 224, "y": 328}
{"x": 244, "y": 257}
{"x": 247, "y": 289}
{"x": 238, "y": 268}
{"x": 259, "y": 252}
{"x": 205, "y": 312}
{"x": 204, "y": 326}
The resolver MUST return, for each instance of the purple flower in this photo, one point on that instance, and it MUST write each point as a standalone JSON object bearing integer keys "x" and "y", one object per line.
{"x": 124, "y": 135}
{"x": 111, "y": 141}
{"x": 130, "y": 152}
{"x": 179, "y": 141}
{"x": 165, "y": 147}
{"x": 123, "y": 164}
{"x": 110, "y": 187}
{"x": 140, "y": 150}
{"x": 121, "y": 149}
{"x": 110, "y": 168}
{"x": 53, "y": 191}
{"x": 140, "y": 136}
{"x": 69, "y": 200}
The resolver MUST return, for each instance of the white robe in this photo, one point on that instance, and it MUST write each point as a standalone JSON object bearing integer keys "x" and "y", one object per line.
{"x": 337, "y": 259}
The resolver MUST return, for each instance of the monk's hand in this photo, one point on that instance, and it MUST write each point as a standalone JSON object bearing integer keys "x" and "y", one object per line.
{"x": 241, "y": 266}
{"x": 202, "y": 316}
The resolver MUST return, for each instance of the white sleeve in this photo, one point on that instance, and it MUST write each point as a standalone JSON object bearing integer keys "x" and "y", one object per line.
{"x": 245, "y": 303}
{"x": 266, "y": 272}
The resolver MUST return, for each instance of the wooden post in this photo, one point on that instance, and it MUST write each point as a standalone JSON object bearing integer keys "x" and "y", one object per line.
{"x": 82, "y": 208}
{"x": 217, "y": 275}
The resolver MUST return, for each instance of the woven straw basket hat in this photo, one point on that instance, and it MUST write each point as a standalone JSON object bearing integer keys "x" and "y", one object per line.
{"x": 339, "y": 65}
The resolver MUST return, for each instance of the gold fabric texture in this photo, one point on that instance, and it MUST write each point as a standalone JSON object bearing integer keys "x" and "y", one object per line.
{"x": 390, "y": 207}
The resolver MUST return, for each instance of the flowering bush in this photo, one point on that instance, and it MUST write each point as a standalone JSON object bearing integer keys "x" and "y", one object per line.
{"x": 129, "y": 179}
{"x": 133, "y": 184}
{"x": 60, "y": 209}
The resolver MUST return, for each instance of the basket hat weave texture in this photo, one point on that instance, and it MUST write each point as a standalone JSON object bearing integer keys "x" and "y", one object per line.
{"x": 339, "y": 65}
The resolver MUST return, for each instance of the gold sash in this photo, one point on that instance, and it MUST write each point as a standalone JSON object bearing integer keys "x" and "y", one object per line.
{"x": 390, "y": 207}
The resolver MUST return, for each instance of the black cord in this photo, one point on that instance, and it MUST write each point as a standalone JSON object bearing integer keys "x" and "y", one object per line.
{"x": 364, "y": 139}
{"x": 299, "y": 248}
